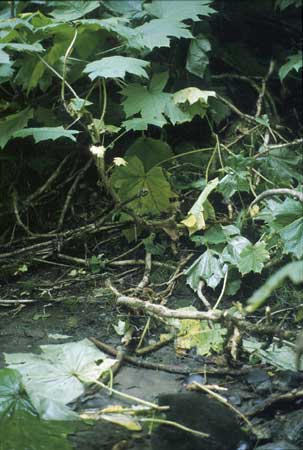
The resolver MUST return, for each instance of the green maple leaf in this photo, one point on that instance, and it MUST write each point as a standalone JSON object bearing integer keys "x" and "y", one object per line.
{"x": 292, "y": 236}
{"x": 132, "y": 180}
{"x": 157, "y": 32}
{"x": 12, "y": 123}
{"x": 209, "y": 267}
{"x": 73, "y": 10}
{"x": 155, "y": 106}
{"x": 252, "y": 258}
{"x": 116, "y": 67}
{"x": 149, "y": 101}
{"x": 46, "y": 133}
{"x": 294, "y": 62}
{"x": 178, "y": 10}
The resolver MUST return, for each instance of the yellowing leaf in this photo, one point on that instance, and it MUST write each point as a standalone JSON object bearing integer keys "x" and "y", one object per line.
{"x": 192, "y": 95}
{"x": 124, "y": 420}
{"x": 193, "y": 223}
{"x": 195, "y": 219}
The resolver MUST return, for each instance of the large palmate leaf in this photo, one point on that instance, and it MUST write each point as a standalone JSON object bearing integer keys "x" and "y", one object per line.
{"x": 286, "y": 219}
{"x": 157, "y": 32}
{"x": 281, "y": 356}
{"x": 282, "y": 164}
{"x": 292, "y": 236}
{"x": 232, "y": 251}
{"x": 73, "y": 10}
{"x": 209, "y": 267}
{"x": 252, "y": 258}
{"x": 46, "y": 133}
{"x": 126, "y": 8}
{"x": 31, "y": 48}
{"x": 149, "y": 151}
{"x": 9, "y": 24}
{"x": 179, "y": 10}
{"x": 56, "y": 376}
{"x": 197, "y": 59}
{"x": 116, "y": 67}
{"x": 236, "y": 181}
{"x": 157, "y": 107}
{"x": 294, "y": 62}
{"x": 133, "y": 180}
{"x": 6, "y": 71}
{"x": 149, "y": 101}
{"x": 20, "y": 426}
{"x": 12, "y": 123}
{"x": 4, "y": 57}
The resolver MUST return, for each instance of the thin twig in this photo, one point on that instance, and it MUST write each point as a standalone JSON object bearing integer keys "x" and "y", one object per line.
{"x": 222, "y": 291}
{"x": 71, "y": 192}
{"x": 263, "y": 88}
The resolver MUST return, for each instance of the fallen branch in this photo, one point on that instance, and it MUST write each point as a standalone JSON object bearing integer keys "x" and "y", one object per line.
{"x": 283, "y": 191}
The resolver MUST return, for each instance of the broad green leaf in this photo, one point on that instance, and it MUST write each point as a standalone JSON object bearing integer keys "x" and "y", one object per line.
{"x": 294, "y": 62}
{"x": 133, "y": 180}
{"x": 154, "y": 105}
{"x": 20, "y": 426}
{"x": 158, "y": 32}
{"x": 281, "y": 356}
{"x": 149, "y": 101}
{"x": 286, "y": 219}
{"x": 293, "y": 271}
{"x": 264, "y": 120}
{"x": 219, "y": 111}
{"x": 6, "y": 71}
{"x": 209, "y": 267}
{"x": 12, "y": 123}
{"x": 234, "y": 248}
{"x": 113, "y": 24}
{"x": 31, "y": 48}
{"x": 196, "y": 219}
{"x": 283, "y": 164}
{"x": 252, "y": 258}
{"x": 56, "y": 376}
{"x": 126, "y": 8}
{"x": 179, "y": 10}
{"x": 4, "y": 57}
{"x": 78, "y": 104}
{"x": 286, "y": 212}
{"x": 197, "y": 60}
{"x": 12, "y": 393}
{"x": 192, "y": 95}
{"x": 116, "y": 67}
{"x": 214, "y": 235}
{"x": 292, "y": 236}
{"x": 139, "y": 124}
{"x": 46, "y": 133}
{"x": 237, "y": 181}
{"x": 149, "y": 151}
{"x": 34, "y": 72}
{"x": 73, "y": 10}
{"x": 24, "y": 431}
{"x": 15, "y": 23}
